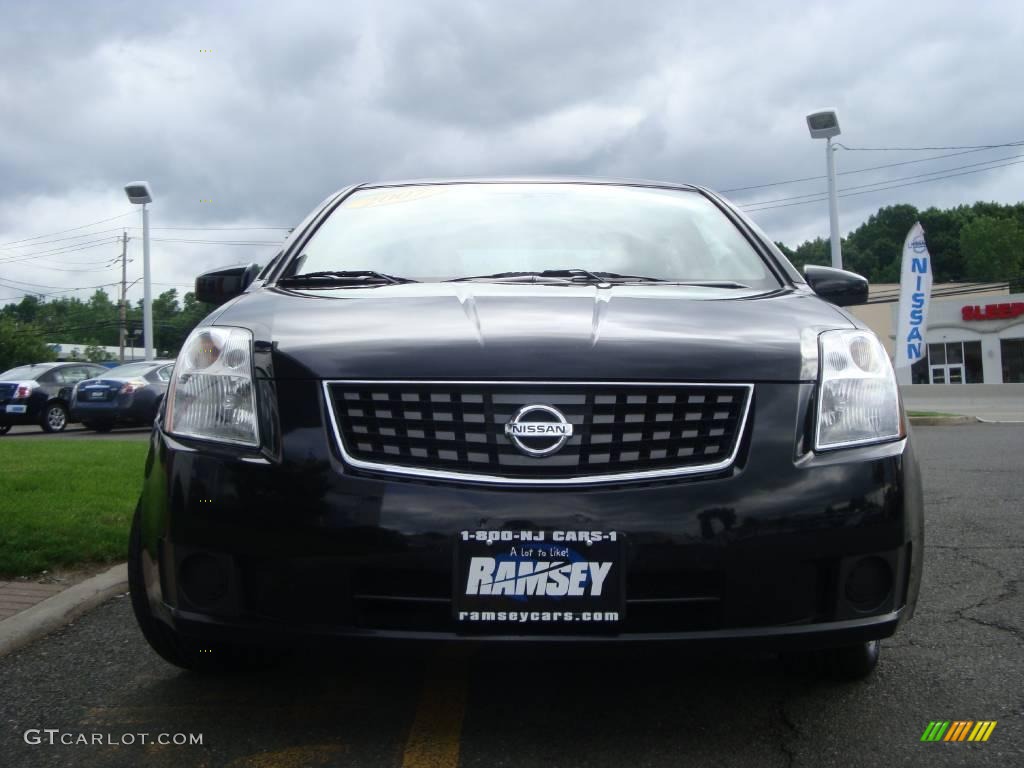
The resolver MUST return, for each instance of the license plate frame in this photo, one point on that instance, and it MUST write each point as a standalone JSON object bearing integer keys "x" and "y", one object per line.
{"x": 576, "y": 580}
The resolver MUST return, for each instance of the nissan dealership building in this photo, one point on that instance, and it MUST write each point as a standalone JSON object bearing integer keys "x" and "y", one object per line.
{"x": 970, "y": 339}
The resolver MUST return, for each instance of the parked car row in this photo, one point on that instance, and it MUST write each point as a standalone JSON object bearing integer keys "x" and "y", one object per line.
{"x": 52, "y": 395}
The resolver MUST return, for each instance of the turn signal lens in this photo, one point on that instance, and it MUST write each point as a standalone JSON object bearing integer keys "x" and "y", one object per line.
{"x": 133, "y": 386}
{"x": 858, "y": 400}
{"x": 211, "y": 393}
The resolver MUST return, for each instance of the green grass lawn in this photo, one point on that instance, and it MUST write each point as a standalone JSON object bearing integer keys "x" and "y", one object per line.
{"x": 66, "y": 503}
{"x": 930, "y": 413}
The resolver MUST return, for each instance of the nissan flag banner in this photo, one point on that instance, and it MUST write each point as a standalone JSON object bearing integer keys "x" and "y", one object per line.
{"x": 915, "y": 291}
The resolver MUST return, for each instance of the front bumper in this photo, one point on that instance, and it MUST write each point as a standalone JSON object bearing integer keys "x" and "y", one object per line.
{"x": 290, "y": 544}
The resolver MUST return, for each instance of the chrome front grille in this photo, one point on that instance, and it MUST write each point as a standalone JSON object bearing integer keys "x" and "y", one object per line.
{"x": 456, "y": 430}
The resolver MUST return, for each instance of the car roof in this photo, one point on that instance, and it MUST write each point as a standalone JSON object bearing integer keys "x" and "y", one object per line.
{"x": 40, "y": 366}
{"x": 597, "y": 180}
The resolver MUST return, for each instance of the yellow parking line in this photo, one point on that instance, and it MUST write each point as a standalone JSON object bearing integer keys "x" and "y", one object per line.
{"x": 307, "y": 756}
{"x": 433, "y": 740}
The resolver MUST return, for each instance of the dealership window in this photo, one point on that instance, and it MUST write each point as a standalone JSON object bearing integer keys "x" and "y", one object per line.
{"x": 1012, "y": 351}
{"x": 919, "y": 371}
{"x": 953, "y": 362}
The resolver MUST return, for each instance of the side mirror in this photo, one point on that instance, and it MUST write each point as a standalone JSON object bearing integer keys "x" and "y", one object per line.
{"x": 838, "y": 286}
{"x": 219, "y": 285}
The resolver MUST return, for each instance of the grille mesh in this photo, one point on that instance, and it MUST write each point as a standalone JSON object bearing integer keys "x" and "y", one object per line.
{"x": 617, "y": 428}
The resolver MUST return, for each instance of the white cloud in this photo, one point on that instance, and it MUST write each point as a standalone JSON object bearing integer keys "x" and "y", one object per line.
{"x": 296, "y": 100}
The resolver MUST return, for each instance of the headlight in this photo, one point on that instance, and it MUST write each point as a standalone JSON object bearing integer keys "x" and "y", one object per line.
{"x": 858, "y": 401}
{"x": 211, "y": 392}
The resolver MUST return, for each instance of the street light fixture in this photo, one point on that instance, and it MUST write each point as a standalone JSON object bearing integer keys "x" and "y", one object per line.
{"x": 139, "y": 194}
{"x": 824, "y": 124}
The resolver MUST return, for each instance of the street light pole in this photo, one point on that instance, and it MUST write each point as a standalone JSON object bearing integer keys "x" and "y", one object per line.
{"x": 833, "y": 207}
{"x": 824, "y": 124}
{"x": 147, "y": 290}
{"x": 139, "y": 194}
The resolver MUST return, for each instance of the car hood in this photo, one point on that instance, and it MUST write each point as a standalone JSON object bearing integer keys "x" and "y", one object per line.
{"x": 480, "y": 331}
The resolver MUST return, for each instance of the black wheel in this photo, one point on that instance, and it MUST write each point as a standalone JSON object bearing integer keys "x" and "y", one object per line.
{"x": 98, "y": 426}
{"x": 850, "y": 662}
{"x": 55, "y": 418}
{"x": 4, "y": 429}
{"x": 184, "y": 652}
{"x": 854, "y": 662}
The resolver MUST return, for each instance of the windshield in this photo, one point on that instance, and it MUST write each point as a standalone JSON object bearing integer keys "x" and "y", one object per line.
{"x": 131, "y": 369}
{"x": 25, "y": 372}
{"x": 459, "y": 230}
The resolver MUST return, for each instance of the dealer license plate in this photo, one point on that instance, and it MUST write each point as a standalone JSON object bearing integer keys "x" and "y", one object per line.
{"x": 16, "y": 408}
{"x": 508, "y": 578}
{"x": 99, "y": 395}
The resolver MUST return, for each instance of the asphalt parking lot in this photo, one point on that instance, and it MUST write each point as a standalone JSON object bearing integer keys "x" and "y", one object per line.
{"x": 961, "y": 658}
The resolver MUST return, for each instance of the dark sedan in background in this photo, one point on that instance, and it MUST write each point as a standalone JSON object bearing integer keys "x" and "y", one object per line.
{"x": 128, "y": 394}
{"x": 41, "y": 394}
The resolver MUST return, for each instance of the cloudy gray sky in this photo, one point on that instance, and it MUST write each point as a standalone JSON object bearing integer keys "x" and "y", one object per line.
{"x": 295, "y": 99}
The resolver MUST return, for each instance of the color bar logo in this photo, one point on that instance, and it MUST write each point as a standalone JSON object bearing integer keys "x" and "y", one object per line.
{"x": 958, "y": 730}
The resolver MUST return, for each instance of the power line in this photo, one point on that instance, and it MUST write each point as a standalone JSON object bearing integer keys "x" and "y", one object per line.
{"x": 107, "y": 266}
{"x": 50, "y": 293}
{"x": 963, "y": 292}
{"x": 218, "y": 229}
{"x": 55, "y": 251}
{"x": 214, "y": 242}
{"x": 888, "y": 181}
{"x": 925, "y": 149}
{"x": 880, "y": 189}
{"x": 865, "y": 170}
{"x": 940, "y": 291}
{"x": 854, "y": 171}
{"x": 71, "y": 229}
{"x": 62, "y": 239}
{"x": 6, "y": 283}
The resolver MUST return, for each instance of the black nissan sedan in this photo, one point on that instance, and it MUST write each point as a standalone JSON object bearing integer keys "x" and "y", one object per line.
{"x": 40, "y": 394}
{"x": 529, "y": 411}
{"x": 128, "y": 394}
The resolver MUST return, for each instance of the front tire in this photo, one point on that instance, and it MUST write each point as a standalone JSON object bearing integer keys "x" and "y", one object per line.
{"x": 55, "y": 418}
{"x": 855, "y": 662}
{"x": 98, "y": 426}
{"x": 184, "y": 652}
{"x": 4, "y": 429}
{"x": 847, "y": 663}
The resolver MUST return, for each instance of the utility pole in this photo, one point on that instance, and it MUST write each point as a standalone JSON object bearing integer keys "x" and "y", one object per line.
{"x": 124, "y": 289}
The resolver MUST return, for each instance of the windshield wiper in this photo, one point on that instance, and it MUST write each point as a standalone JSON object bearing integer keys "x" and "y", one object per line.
{"x": 710, "y": 283}
{"x": 553, "y": 274}
{"x": 344, "y": 277}
{"x": 603, "y": 279}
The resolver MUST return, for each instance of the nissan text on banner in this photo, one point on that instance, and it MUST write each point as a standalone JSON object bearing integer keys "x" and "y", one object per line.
{"x": 915, "y": 291}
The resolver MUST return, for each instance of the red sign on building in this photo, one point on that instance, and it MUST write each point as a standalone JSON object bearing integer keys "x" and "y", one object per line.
{"x": 1004, "y": 311}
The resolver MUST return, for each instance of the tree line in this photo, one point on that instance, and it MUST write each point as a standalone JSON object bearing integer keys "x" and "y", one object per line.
{"x": 983, "y": 242}
{"x": 26, "y": 328}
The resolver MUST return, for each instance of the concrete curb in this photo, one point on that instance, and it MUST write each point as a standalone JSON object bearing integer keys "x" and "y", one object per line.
{"x": 941, "y": 421}
{"x": 64, "y": 607}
